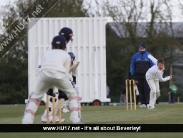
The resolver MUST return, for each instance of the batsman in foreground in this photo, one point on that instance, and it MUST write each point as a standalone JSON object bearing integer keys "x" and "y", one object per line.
{"x": 54, "y": 72}
{"x": 153, "y": 76}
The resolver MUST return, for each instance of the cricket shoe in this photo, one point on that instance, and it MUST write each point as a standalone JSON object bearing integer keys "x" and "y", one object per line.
{"x": 143, "y": 106}
{"x": 80, "y": 122}
{"x": 65, "y": 110}
{"x": 56, "y": 120}
{"x": 150, "y": 107}
{"x": 43, "y": 119}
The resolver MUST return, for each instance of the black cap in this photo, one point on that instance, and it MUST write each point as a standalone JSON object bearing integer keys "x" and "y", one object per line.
{"x": 142, "y": 46}
{"x": 59, "y": 41}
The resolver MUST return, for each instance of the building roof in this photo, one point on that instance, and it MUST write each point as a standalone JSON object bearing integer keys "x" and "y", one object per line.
{"x": 176, "y": 30}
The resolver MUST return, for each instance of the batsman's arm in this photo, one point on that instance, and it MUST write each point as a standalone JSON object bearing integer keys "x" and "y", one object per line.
{"x": 73, "y": 67}
{"x": 74, "y": 72}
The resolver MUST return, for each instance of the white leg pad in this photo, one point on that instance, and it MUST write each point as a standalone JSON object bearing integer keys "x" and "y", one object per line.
{"x": 74, "y": 107}
{"x": 30, "y": 110}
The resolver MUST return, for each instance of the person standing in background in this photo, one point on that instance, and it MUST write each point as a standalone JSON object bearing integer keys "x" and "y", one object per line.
{"x": 140, "y": 63}
{"x": 173, "y": 91}
{"x": 122, "y": 100}
{"x": 107, "y": 90}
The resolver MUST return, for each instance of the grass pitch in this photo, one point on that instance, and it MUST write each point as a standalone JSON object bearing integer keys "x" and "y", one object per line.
{"x": 163, "y": 114}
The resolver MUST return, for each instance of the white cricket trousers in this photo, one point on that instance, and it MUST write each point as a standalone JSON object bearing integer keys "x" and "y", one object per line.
{"x": 154, "y": 90}
{"x": 58, "y": 80}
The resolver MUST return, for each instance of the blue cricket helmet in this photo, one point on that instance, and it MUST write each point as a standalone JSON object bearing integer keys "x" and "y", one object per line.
{"x": 71, "y": 55}
{"x": 66, "y": 32}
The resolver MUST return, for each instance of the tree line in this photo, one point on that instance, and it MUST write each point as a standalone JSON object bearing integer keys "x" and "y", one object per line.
{"x": 129, "y": 28}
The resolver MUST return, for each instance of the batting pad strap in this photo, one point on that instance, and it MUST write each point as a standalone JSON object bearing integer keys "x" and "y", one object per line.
{"x": 75, "y": 98}
{"x": 29, "y": 111}
{"x": 34, "y": 101}
{"x": 75, "y": 109}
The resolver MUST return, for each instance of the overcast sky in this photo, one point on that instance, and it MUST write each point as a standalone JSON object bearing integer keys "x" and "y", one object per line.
{"x": 5, "y": 2}
{"x": 176, "y": 11}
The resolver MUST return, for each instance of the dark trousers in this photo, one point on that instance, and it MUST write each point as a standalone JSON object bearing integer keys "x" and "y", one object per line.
{"x": 137, "y": 99}
{"x": 122, "y": 99}
{"x": 144, "y": 90}
{"x": 157, "y": 102}
{"x": 172, "y": 97}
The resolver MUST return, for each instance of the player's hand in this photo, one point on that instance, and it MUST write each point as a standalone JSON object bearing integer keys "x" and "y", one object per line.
{"x": 171, "y": 76}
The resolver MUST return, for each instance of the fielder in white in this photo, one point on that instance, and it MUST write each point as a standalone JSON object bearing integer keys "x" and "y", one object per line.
{"x": 153, "y": 76}
{"x": 54, "y": 72}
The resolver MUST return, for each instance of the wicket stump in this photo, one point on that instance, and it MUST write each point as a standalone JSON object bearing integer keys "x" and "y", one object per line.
{"x": 53, "y": 108}
{"x": 130, "y": 89}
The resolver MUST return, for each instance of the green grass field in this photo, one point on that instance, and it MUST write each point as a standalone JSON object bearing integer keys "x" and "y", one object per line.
{"x": 163, "y": 114}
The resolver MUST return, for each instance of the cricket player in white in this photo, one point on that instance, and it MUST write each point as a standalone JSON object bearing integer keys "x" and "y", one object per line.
{"x": 72, "y": 78}
{"x": 153, "y": 76}
{"x": 62, "y": 95}
{"x": 54, "y": 72}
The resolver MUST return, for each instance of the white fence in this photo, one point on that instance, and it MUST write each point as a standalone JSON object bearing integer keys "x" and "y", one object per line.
{"x": 89, "y": 46}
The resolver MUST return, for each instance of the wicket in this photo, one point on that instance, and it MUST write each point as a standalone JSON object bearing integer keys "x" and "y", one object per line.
{"x": 130, "y": 88}
{"x": 53, "y": 108}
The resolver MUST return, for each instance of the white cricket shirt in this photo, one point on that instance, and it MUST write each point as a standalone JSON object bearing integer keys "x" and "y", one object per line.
{"x": 56, "y": 61}
{"x": 154, "y": 72}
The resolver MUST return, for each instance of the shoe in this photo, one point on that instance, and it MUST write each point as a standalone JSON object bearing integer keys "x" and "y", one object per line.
{"x": 80, "y": 122}
{"x": 43, "y": 119}
{"x": 56, "y": 120}
{"x": 150, "y": 107}
{"x": 153, "y": 107}
{"x": 65, "y": 109}
{"x": 143, "y": 106}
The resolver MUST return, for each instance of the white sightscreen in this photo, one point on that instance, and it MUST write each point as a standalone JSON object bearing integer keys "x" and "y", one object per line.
{"x": 89, "y": 46}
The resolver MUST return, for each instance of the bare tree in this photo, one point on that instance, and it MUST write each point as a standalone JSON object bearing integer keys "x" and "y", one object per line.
{"x": 136, "y": 21}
